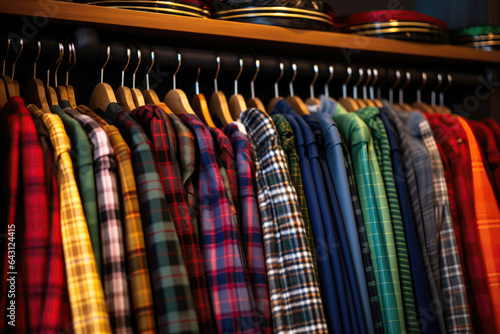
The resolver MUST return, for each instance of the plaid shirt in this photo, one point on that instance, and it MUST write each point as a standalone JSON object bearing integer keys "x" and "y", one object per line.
{"x": 371, "y": 117}
{"x": 56, "y": 310}
{"x": 376, "y": 216}
{"x": 135, "y": 245}
{"x": 88, "y": 305}
{"x": 295, "y": 302}
{"x": 174, "y": 304}
{"x": 487, "y": 220}
{"x": 456, "y": 312}
{"x": 160, "y": 130}
{"x": 232, "y": 296}
{"x": 250, "y": 226}
{"x": 287, "y": 141}
{"x": 115, "y": 277}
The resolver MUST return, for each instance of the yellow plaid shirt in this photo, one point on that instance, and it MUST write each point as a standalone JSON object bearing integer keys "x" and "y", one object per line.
{"x": 88, "y": 306}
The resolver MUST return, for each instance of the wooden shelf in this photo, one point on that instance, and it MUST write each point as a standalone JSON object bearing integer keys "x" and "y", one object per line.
{"x": 198, "y": 28}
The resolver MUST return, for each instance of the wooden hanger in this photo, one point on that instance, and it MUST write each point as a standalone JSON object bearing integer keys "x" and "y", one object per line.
{"x": 296, "y": 102}
{"x": 347, "y": 102}
{"x": 150, "y": 96}
{"x": 237, "y": 103}
{"x": 218, "y": 102}
{"x": 50, "y": 92}
{"x": 312, "y": 101}
{"x": 102, "y": 94}
{"x": 176, "y": 99}
{"x": 255, "y": 102}
{"x": 136, "y": 93}
{"x": 34, "y": 92}
{"x": 123, "y": 93}
{"x": 277, "y": 96}
{"x": 200, "y": 105}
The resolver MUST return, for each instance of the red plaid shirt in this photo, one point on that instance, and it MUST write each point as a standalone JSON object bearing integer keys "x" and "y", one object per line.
{"x": 452, "y": 139}
{"x": 159, "y": 129}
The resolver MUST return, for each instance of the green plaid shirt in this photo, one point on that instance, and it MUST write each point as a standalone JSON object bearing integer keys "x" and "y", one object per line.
{"x": 377, "y": 217}
{"x": 371, "y": 117}
{"x": 287, "y": 140}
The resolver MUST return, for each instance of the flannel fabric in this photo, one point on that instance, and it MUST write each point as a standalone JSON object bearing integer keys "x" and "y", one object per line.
{"x": 423, "y": 297}
{"x": 56, "y": 313}
{"x": 159, "y": 128}
{"x": 175, "y": 311}
{"x": 370, "y": 116}
{"x": 456, "y": 312}
{"x": 376, "y": 216}
{"x": 487, "y": 220}
{"x": 232, "y": 296}
{"x": 186, "y": 156}
{"x": 331, "y": 279}
{"x": 250, "y": 226}
{"x": 332, "y": 150}
{"x": 81, "y": 156}
{"x": 135, "y": 245}
{"x": 113, "y": 253}
{"x": 88, "y": 306}
{"x": 412, "y": 159}
{"x": 294, "y": 292}
{"x": 11, "y": 123}
{"x": 287, "y": 141}
{"x": 486, "y": 140}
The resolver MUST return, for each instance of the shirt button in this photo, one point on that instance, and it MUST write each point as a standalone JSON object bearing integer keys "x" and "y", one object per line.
{"x": 460, "y": 140}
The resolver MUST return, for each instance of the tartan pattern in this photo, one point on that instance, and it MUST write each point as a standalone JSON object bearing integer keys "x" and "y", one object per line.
{"x": 186, "y": 156}
{"x": 88, "y": 306}
{"x": 295, "y": 301}
{"x": 160, "y": 130}
{"x": 251, "y": 229}
{"x": 383, "y": 152}
{"x": 174, "y": 305}
{"x": 135, "y": 245}
{"x": 377, "y": 218}
{"x": 287, "y": 141}
{"x": 487, "y": 220}
{"x": 371, "y": 281}
{"x": 56, "y": 314}
{"x": 108, "y": 205}
{"x": 456, "y": 312}
{"x": 81, "y": 156}
{"x": 232, "y": 297}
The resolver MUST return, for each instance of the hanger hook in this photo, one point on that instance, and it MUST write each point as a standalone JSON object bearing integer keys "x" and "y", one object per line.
{"x": 197, "y": 82}
{"x": 374, "y": 82}
{"x": 396, "y": 83}
{"x": 36, "y": 59}
{"x": 139, "y": 54}
{"x": 21, "y": 44}
{"x": 449, "y": 78}
{"x": 56, "y": 63}
{"x": 6, "y": 54}
{"x": 237, "y": 77}
{"x": 72, "y": 55}
{"x": 59, "y": 61}
{"x": 290, "y": 84}
{"x": 252, "y": 83}
{"x": 217, "y": 74}
{"x": 347, "y": 80}
{"x": 311, "y": 86}
{"x": 174, "y": 77}
{"x": 404, "y": 86}
{"x": 355, "y": 87}
{"x": 439, "y": 84}
{"x": 331, "y": 70}
{"x": 150, "y": 67}
{"x": 422, "y": 85}
{"x": 282, "y": 71}
{"x": 108, "y": 54}
{"x": 129, "y": 53}
{"x": 366, "y": 83}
